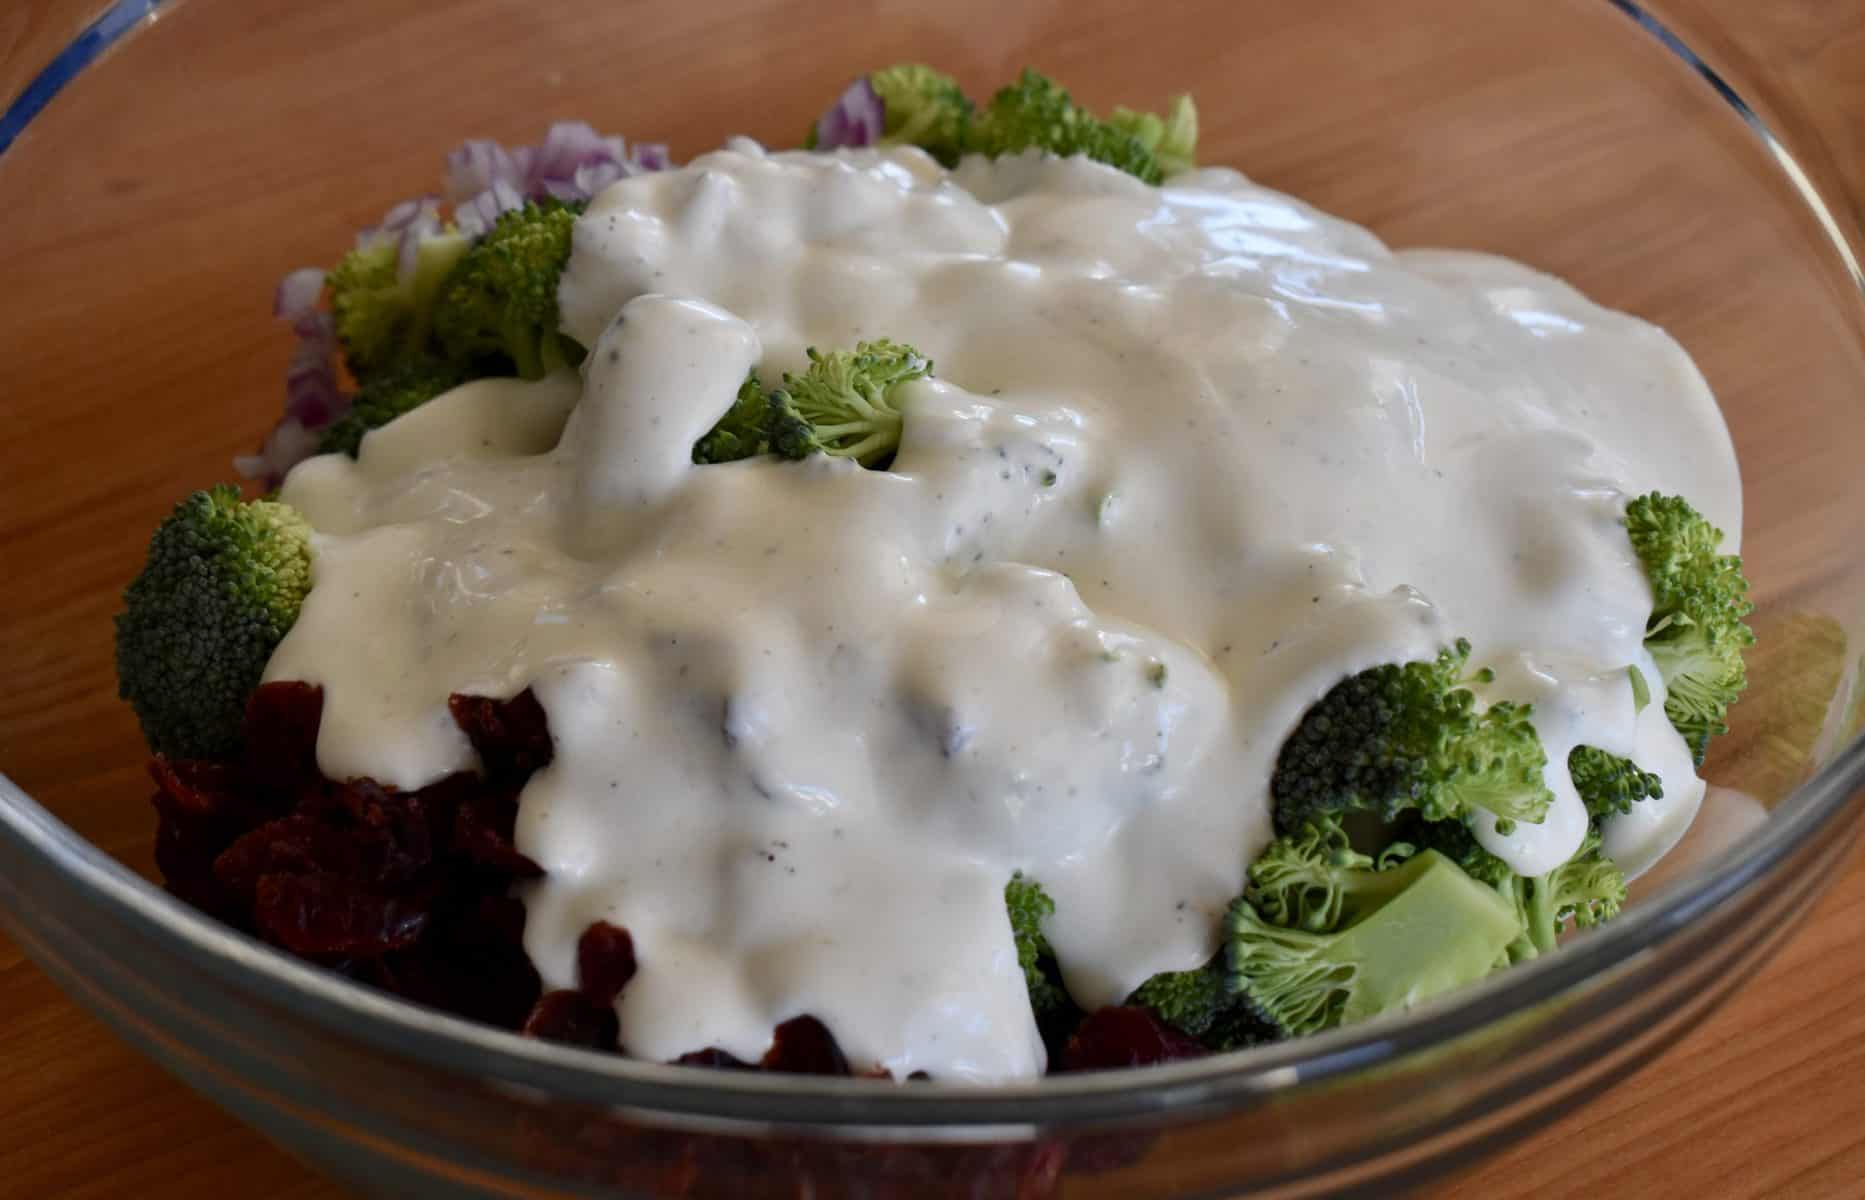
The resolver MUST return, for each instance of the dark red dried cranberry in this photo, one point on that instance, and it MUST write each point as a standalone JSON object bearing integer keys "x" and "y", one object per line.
{"x": 324, "y": 916}
{"x": 573, "y": 1019}
{"x": 605, "y": 962}
{"x": 202, "y": 789}
{"x": 511, "y": 737}
{"x": 804, "y": 1046}
{"x": 281, "y": 738}
{"x": 1125, "y": 1036}
{"x": 715, "y": 1058}
{"x": 483, "y": 829}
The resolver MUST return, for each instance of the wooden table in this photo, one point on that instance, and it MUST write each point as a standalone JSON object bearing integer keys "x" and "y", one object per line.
{"x": 1766, "y": 1099}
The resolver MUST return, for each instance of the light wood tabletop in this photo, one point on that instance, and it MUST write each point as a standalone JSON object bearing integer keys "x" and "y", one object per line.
{"x": 1767, "y": 1098}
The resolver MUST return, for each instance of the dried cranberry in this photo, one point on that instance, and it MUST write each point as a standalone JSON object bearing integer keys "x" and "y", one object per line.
{"x": 804, "y": 1046}
{"x": 1125, "y": 1036}
{"x": 511, "y": 737}
{"x": 325, "y": 916}
{"x": 573, "y": 1019}
{"x": 714, "y": 1058}
{"x": 483, "y": 829}
{"x": 281, "y": 738}
{"x": 605, "y": 962}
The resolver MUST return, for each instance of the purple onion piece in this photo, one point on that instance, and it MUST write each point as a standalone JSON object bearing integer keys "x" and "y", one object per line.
{"x": 855, "y": 119}
{"x": 297, "y": 294}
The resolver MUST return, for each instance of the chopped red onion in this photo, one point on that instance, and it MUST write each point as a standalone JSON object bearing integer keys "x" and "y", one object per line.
{"x": 289, "y": 444}
{"x": 855, "y": 119}
{"x": 297, "y": 293}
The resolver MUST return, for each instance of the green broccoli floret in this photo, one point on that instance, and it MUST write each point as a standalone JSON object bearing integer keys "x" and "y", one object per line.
{"x": 846, "y": 403}
{"x": 222, "y": 584}
{"x": 1433, "y": 928}
{"x": 498, "y": 309}
{"x": 759, "y": 422}
{"x": 1584, "y": 891}
{"x": 381, "y": 317}
{"x": 920, "y": 107}
{"x": 1402, "y": 737}
{"x": 396, "y": 390}
{"x": 1028, "y": 904}
{"x": 1172, "y": 140}
{"x": 1189, "y": 1001}
{"x": 1699, "y": 599}
{"x": 1036, "y": 113}
{"x": 1456, "y": 841}
{"x": 1610, "y": 784}
{"x": 1306, "y": 880}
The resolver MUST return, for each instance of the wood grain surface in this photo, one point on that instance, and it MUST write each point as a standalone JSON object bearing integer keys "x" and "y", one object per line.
{"x": 1766, "y": 1099}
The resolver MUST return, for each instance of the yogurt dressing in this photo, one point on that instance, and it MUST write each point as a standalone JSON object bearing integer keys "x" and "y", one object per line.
{"x": 1192, "y": 454}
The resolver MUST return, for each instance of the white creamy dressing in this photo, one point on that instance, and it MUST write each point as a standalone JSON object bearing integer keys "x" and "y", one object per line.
{"x": 1192, "y": 455}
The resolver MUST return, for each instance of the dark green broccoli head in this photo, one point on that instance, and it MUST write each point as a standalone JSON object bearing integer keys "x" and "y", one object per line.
{"x": 1610, "y": 784}
{"x": 1699, "y": 599}
{"x": 1431, "y": 929}
{"x": 497, "y": 310}
{"x": 398, "y": 389}
{"x": 1404, "y": 737}
{"x": 759, "y": 422}
{"x": 381, "y": 317}
{"x": 1035, "y": 112}
{"x": 222, "y": 584}
{"x": 1028, "y": 904}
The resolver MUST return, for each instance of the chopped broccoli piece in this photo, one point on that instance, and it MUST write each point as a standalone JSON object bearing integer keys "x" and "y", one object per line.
{"x": 1306, "y": 880}
{"x": 845, "y": 404}
{"x": 380, "y": 316}
{"x": 222, "y": 584}
{"x": 1036, "y": 113}
{"x": 1699, "y": 599}
{"x": 398, "y": 389}
{"x": 1433, "y": 930}
{"x": 1610, "y": 784}
{"x": 1586, "y": 890}
{"x": 1409, "y": 736}
{"x": 759, "y": 422}
{"x": 1172, "y": 140}
{"x": 498, "y": 308}
{"x": 1456, "y": 841}
{"x": 1028, "y": 904}
{"x": 1189, "y": 1001}
{"x": 920, "y": 107}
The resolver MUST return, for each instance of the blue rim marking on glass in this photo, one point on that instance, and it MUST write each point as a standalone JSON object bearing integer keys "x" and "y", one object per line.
{"x": 84, "y": 49}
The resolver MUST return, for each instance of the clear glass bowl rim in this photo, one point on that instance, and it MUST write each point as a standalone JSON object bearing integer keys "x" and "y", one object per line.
{"x": 1220, "y": 1083}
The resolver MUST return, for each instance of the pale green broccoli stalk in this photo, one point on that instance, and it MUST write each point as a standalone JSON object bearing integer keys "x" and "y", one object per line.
{"x": 223, "y": 582}
{"x": 1432, "y": 929}
{"x": 1409, "y": 737}
{"x": 393, "y": 392}
{"x": 497, "y": 312}
{"x": 1172, "y": 140}
{"x": 380, "y": 316}
{"x": 1028, "y": 904}
{"x": 1699, "y": 599}
{"x": 1586, "y": 890}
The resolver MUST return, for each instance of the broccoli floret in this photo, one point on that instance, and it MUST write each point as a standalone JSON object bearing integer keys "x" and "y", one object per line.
{"x": 1610, "y": 784}
{"x": 1699, "y": 599}
{"x": 498, "y": 309}
{"x": 1028, "y": 904}
{"x": 1409, "y": 736}
{"x": 1189, "y": 1001}
{"x": 1306, "y": 880}
{"x": 1584, "y": 891}
{"x": 919, "y": 107}
{"x": 1036, "y": 113}
{"x": 759, "y": 422}
{"x": 222, "y": 584}
{"x": 396, "y": 390}
{"x": 1456, "y": 841}
{"x": 1172, "y": 140}
{"x": 846, "y": 403}
{"x": 1433, "y": 929}
{"x": 379, "y": 315}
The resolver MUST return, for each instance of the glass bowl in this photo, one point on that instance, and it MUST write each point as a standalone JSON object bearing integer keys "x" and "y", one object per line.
{"x": 158, "y": 184}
